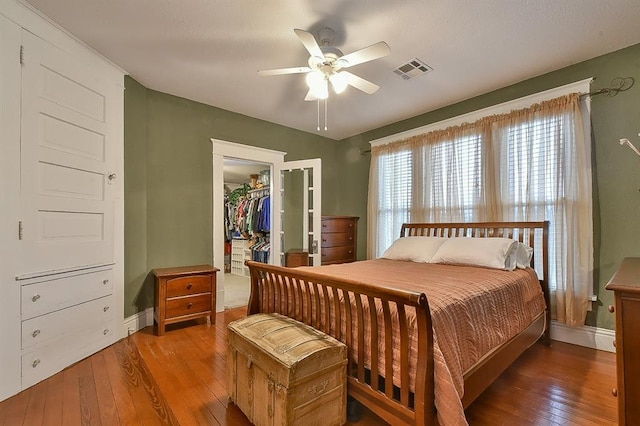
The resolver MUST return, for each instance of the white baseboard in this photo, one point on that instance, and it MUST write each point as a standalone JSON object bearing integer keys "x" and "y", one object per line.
{"x": 590, "y": 337}
{"x": 138, "y": 321}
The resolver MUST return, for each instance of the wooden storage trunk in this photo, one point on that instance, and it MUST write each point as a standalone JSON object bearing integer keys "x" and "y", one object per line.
{"x": 283, "y": 372}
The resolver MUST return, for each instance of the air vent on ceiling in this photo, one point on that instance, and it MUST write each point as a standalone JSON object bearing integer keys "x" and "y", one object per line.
{"x": 412, "y": 69}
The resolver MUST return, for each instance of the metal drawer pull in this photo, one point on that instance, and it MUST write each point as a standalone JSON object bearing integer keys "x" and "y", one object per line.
{"x": 35, "y": 333}
{"x": 35, "y": 298}
{"x": 105, "y": 331}
{"x": 35, "y": 363}
{"x": 612, "y": 309}
{"x": 614, "y": 392}
{"x": 105, "y": 282}
{"x": 105, "y": 309}
{"x": 189, "y": 286}
{"x": 189, "y": 305}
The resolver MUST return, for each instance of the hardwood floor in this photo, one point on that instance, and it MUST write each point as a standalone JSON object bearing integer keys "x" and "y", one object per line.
{"x": 180, "y": 378}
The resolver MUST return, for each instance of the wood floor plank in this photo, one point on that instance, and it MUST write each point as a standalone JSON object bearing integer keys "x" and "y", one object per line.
{"x": 71, "y": 397}
{"x": 123, "y": 401}
{"x": 35, "y": 408}
{"x": 16, "y": 408}
{"x": 89, "y": 409}
{"x": 180, "y": 378}
{"x": 104, "y": 392}
{"x": 53, "y": 403}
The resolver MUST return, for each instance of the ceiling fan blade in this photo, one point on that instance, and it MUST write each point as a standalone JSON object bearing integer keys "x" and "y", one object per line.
{"x": 281, "y": 71}
{"x": 370, "y": 53}
{"x": 360, "y": 83}
{"x": 310, "y": 96}
{"x": 310, "y": 43}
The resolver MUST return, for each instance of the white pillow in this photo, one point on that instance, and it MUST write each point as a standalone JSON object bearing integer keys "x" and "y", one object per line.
{"x": 414, "y": 249}
{"x": 497, "y": 253}
{"x": 524, "y": 253}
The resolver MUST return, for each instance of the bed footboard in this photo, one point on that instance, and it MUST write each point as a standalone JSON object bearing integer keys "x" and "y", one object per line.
{"x": 331, "y": 305}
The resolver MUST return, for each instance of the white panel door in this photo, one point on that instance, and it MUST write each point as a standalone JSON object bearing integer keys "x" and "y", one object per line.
{"x": 67, "y": 184}
{"x": 311, "y": 206}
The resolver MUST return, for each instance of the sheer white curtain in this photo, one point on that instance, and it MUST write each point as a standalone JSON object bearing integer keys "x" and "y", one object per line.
{"x": 531, "y": 164}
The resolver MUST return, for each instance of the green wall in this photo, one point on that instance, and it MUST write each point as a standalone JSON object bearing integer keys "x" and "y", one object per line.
{"x": 616, "y": 171}
{"x": 168, "y": 203}
{"x": 168, "y": 179}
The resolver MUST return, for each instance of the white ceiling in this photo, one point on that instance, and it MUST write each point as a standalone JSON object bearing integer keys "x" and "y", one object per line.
{"x": 210, "y": 51}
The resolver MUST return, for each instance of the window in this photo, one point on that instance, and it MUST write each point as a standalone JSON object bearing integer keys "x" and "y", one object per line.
{"x": 528, "y": 165}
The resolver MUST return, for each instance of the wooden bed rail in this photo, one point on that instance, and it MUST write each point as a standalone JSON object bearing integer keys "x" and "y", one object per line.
{"x": 318, "y": 301}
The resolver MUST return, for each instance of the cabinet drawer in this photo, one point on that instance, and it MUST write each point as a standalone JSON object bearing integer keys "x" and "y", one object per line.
{"x": 338, "y": 254}
{"x": 52, "y": 295}
{"x": 184, "y": 286}
{"x": 337, "y": 239}
{"x": 46, "y": 360}
{"x": 66, "y": 322}
{"x": 188, "y": 305}
{"x": 338, "y": 225}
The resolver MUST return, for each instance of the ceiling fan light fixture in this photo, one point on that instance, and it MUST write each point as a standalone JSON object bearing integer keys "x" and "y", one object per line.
{"x": 339, "y": 82}
{"x": 318, "y": 84}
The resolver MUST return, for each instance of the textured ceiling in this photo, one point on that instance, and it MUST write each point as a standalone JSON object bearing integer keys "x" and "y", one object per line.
{"x": 210, "y": 51}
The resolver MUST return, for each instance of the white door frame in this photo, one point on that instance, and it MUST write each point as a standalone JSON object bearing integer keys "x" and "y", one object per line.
{"x": 221, "y": 149}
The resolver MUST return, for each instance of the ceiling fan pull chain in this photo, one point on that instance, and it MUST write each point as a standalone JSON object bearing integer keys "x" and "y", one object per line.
{"x": 325, "y": 114}
{"x": 318, "y": 114}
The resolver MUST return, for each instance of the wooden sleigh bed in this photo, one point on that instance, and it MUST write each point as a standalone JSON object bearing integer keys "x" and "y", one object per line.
{"x": 391, "y": 348}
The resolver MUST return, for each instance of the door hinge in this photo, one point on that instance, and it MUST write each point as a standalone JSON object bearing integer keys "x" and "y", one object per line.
{"x": 20, "y": 230}
{"x": 21, "y": 55}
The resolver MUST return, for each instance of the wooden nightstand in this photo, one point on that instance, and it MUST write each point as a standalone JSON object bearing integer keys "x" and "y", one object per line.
{"x": 184, "y": 293}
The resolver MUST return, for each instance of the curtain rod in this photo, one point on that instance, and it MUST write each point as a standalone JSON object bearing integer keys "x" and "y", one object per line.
{"x": 619, "y": 84}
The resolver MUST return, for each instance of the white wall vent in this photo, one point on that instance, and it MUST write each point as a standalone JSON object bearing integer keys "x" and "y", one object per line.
{"x": 412, "y": 69}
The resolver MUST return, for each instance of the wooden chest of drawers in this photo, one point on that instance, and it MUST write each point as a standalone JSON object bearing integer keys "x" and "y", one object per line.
{"x": 339, "y": 239}
{"x": 184, "y": 293}
{"x": 283, "y": 372}
{"x": 625, "y": 285}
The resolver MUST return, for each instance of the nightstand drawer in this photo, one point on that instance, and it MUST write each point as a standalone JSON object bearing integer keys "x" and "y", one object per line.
{"x": 188, "y": 305}
{"x": 337, "y": 239}
{"x": 184, "y": 286}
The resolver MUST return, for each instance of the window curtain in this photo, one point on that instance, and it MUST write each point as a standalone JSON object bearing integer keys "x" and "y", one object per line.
{"x": 528, "y": 165}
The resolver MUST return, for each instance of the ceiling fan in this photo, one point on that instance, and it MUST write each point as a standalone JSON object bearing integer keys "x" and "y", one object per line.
{"x": 327, "y": 64}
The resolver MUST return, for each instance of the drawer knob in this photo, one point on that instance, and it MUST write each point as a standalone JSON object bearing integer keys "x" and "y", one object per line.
{"x": 612, "y": 309}
{"x": 35, "y": 363}
{"x": 614, "y": 343}
{"x": 105, "y": 331}
{"x": 35, "y": 333}
{"x": 105, "y": 282}
{"x": 105, "y": 309}
{"x": 35, "y": 298}
{"x": 189, "y": 286}
{"x": 350, "y": 251}
{"x": 189, "y": 305}
{"x": 324, "y": 240}
{"x": 324, "y": 225}
{"x": 614, "y": 392}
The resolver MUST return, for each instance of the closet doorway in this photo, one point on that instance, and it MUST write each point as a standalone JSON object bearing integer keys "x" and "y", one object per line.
{"x": 247, "y": 224}
{"x": 283, "y": 192}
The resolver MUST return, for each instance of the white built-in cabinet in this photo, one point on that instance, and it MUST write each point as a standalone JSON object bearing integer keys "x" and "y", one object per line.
{"x": 61, "y": 192}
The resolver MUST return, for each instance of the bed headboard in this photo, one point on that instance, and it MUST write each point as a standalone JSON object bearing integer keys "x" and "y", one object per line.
{"x": 533, "y": 234}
